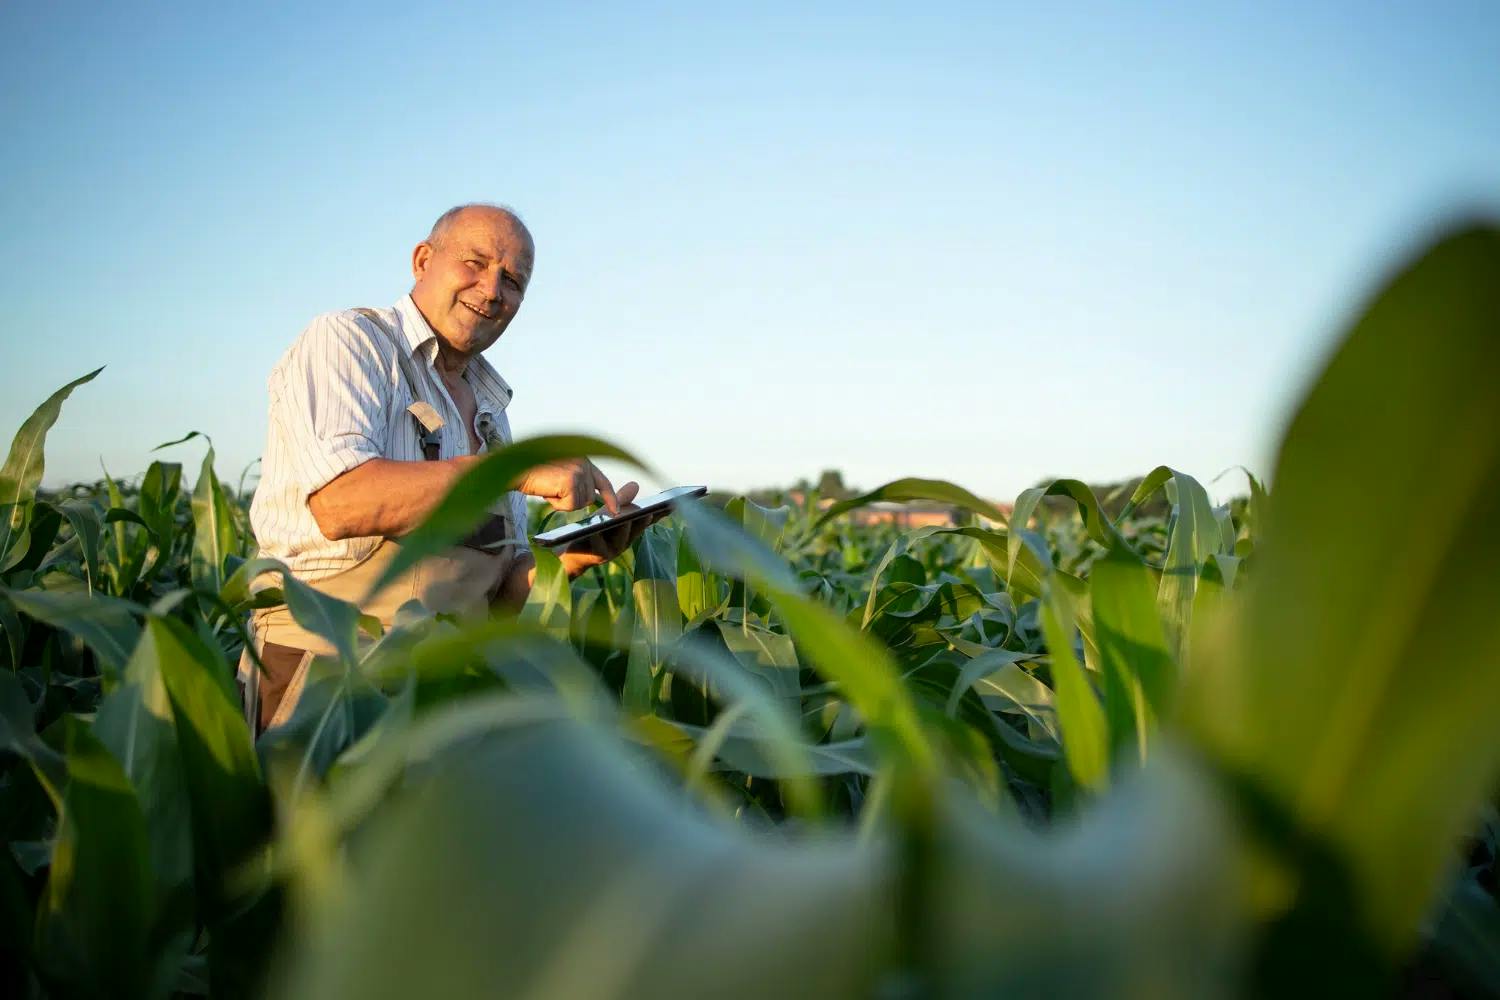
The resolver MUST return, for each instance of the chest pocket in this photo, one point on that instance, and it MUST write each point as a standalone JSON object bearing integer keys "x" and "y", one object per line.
{"x": 489, "y": 432}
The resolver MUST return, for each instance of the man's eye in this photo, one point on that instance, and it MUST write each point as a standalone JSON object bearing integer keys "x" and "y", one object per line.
{"x": 510, "y": 279}
{"x": 472, "y": 262}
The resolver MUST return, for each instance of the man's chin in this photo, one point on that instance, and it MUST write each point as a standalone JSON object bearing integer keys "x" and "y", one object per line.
{"x": 474, "y": 341}
{"x": 479, "y": 334}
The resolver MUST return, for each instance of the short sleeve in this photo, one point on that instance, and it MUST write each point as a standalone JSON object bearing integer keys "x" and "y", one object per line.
{"x": 330, "y": 395}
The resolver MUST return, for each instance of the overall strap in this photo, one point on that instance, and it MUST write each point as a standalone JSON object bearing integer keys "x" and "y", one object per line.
{"x": 495, "y": 532}
{"x": 427, "y": 420}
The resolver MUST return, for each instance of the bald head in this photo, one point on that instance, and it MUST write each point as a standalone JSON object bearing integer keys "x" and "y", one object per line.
{"x": 502, "y": 216}
{"x": 470, "y": 275}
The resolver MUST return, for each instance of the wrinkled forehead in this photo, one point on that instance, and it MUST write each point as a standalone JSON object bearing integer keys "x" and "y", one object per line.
{"x": 497, "y": 235}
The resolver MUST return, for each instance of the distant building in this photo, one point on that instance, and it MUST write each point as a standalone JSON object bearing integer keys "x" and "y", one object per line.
{"x": 906, "y": 515}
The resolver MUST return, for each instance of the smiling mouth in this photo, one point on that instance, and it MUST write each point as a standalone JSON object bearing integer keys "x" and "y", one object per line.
{"x": 478, "y": 312}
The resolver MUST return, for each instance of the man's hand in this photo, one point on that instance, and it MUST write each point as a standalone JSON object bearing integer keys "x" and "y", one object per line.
{"x": 598, "y": 549}
{"x": 571, "y": 485}
{"x": 582, "y": 555}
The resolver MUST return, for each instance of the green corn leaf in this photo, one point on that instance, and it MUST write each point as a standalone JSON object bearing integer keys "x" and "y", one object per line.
{"x": 15, "y": 632}
{"x": 1358, "y": 693}
{"x": 129, "y": 549}
{"x": 94, "y": 925}
{"x": 160, "y": 488}
{"x": 1095, "y": 522}
{"x": 724, "y": 547}
{"x": 768, "y": 655}
{"x": 1195, "y": 535}
{"x": 766, "y": 523}
{"x": 18, "y": 736}
{"x": 549, "y": 602}
{"x": 897, "y": 550}
{"x": 636, "y": 692}
{"x": 698, "y": 593}
{"x": 996, "y": 674}
{"x": 657, "y": 618}
{"x": 1140, "y": 676}
{"x": 186, "y": 437}
{"x": 107, "y": 625}
{"x": 229, "y": 808}
{"x": 215, "y": 537}
{"x": 87, "y": 527}
{"x": 336, "y": 709}
{"x": 1136, "y": 896}
{"x": 741, "y": 745}
{"x": 1210, "y": 605}
{"x": 1084, "y": 728}
{"x": 775, "y": 739}
{"x": 857, "y": 662}
{"x": 613, "y": 904}
{"x": 22, "y": 472}
{"x": 135, "y": 722}
{"x": 1028, "y": 560}
{"x": 34, "y": 541}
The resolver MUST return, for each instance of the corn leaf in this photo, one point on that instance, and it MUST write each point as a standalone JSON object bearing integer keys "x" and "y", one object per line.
{"x": 1084, "y": 728}
{"x": 215, "y": 537}
{"x": 1359, "y": 694}
{"x": 94, "y": 926}
{"x": 22, "y": 472}
{"x": 227, "y": 799}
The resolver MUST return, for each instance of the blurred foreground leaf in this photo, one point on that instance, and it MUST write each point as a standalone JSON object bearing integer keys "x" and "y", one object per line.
{"x": 1357, "y": 698}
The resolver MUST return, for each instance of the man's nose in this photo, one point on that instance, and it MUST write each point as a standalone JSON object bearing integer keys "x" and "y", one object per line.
{"x": 489, "y": 284}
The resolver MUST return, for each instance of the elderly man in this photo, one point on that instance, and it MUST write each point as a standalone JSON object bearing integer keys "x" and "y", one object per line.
{"x": 374, "y": 413}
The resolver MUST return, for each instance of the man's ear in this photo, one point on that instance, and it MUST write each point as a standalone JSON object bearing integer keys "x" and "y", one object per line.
{"x": 420, "y": 257}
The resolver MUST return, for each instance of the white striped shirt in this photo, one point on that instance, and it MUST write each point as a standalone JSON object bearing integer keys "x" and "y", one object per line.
{"x": 338, "y": 399}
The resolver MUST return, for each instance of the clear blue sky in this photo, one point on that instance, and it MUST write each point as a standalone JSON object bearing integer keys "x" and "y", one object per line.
{"x": 988, "y": 244}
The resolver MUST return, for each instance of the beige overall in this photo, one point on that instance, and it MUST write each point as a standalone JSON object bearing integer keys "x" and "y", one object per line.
{"x": 460, "y": 581}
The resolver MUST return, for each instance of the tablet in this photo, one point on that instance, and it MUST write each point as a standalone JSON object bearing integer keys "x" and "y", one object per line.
{"x": 603, "y": 520}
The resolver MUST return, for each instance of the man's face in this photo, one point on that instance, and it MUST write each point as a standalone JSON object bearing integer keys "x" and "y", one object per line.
{"x": 470, "y": 284}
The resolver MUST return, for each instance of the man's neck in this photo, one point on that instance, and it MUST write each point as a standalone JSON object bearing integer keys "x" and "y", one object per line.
{"x": 450, "y": 363}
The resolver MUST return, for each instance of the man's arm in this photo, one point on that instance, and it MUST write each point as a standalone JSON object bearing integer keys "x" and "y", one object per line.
{"x": 382, "y": 496}
{"x": 579, "y": 557}
{"x": 517, "y": 584}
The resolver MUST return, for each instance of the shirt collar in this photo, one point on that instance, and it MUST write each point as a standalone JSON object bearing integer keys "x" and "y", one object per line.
{"x": 418, "y": 333}
{"x": 414, "y": 326}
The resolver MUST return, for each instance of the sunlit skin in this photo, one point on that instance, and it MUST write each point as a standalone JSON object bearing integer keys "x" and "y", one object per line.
{"x": 469, "y": 280}
{"x": 469, "y": 283}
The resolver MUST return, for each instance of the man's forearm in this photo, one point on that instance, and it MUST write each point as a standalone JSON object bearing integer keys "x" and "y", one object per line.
{"x": 522, "y": 576}
{"x": 382, "y": 497}
{"x": 517, "y": 583}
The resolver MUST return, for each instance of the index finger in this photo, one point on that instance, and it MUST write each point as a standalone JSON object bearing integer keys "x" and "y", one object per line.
{"x": 606, "y": 491}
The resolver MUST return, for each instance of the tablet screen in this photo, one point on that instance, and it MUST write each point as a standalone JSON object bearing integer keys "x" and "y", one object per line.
{"x": 596, "y": 523}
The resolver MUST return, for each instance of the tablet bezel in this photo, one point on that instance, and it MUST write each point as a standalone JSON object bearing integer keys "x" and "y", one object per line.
{"x": 603, "y": 521}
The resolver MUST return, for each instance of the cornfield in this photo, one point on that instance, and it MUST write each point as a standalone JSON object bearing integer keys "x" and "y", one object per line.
{"x": 1079, "y": 749}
